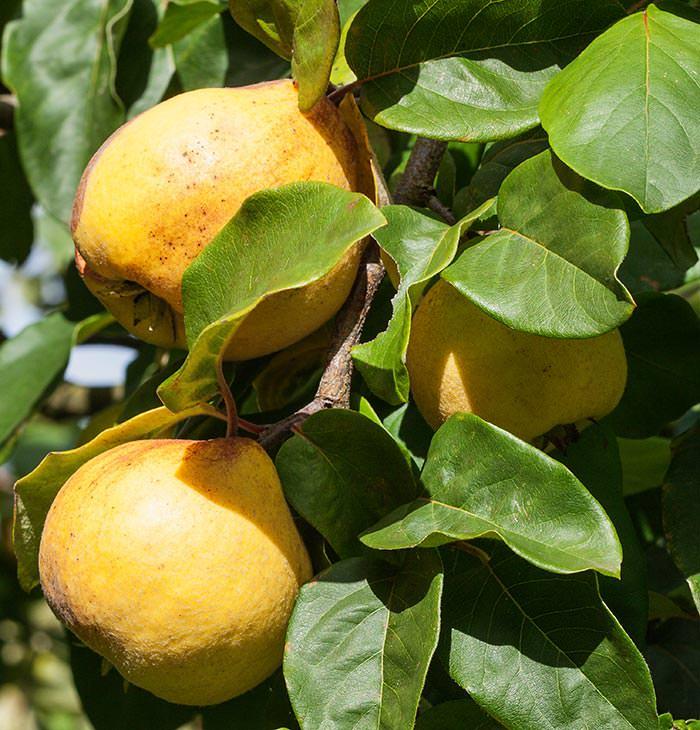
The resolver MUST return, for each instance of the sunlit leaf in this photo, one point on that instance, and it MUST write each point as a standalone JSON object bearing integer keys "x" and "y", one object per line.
{"x": 624, "y": 113}
{"x": 551, "y": 268}
{"x": 523, "y": 497}
{"x": 268, "y": 239}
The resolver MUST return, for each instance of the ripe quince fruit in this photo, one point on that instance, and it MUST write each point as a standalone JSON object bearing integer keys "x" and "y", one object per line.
{"x": 161, "y": 187}
{"x": 179, "y": 562}
{"x": 462, "y": 360}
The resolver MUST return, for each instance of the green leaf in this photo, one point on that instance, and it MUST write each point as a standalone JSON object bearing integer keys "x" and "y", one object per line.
{"x": 183, "y": 16}
{"x": 341, "y": 73}
{"x": 625, "y": 112}
{"x": 270, "y": 21}
{"x": 681, "y": 509}
{"x": 359, "y": 643}
{"x": 316, "y": 39}
{"x": 670, "y": 231}
{"x": 647, "y": 267}
{"x": 68, "y": 110}
{"x": 422, "y": 247}
{"x": 202, "y": 57}
{"x": 498, "y": 161}
{"x": 644, "y": 463}
{"x": 673, "y": 654}
{"x": 342, "y": 471}
{"x": 539, "y": 650}
{"x": 410, "y": 431}
{"x": 29, "y": 363}
{"x": 305, "y": 31}
{"x": 250, "y": 62}
{"x": 35, "y": 492}
{"x": 525, "y": 498}
{"x": 456, "y": 715}
{"x": 467, "y": 69}
{"x": 594, "y": 459}
{"x": 143, "y": 74}
{"x": 269, "y": 239}
{"x": 662, "y": 342}
{"x": 556, "y": 255}
{"x": 16, "y": 199}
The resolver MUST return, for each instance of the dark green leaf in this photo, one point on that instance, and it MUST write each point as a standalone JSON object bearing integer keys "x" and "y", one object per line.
{"x": 524, "y": 497}
{"x": 143, "y": 75}
{"x": 670, "y": 230}
{"x": 595, "y": 460}
{"x": 421, "y": 246}
{"x": 267, "y": 238}
{"x": 183, "y": 16}
{"x": 264, "y": 708}
{"x": 644, "y": 463}
{"x": 202, "y": 57}
{"x": 468, "y": 69}
{"x": 66, "y": 111}
{"x": 456, "y": 715}
{"x": 647, "y": 267}
{"x": 662, "y": 342}
{"x": 250, "y": 62}
{"x": 624, "y": 113}
{"x": 499, "y": 160}
{"x": 540, "y": 650}
{"x": 110, "y": 704}
{"x": 270, "y": 21}
{"x": 29, "y": 363}
{"x": 360, "y": 641}
{"x": 342, "y": 472}
{"x": 16, "y": 199}
{"x": 410, "y": 431}
{"x": 556, "y": 255}
{"x": 681, "y": 509}
{"x": 673, "y": 654}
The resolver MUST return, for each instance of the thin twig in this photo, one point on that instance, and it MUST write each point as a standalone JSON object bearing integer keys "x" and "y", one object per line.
{"x": 437, "y": 206}
{"x": 339, "y": 93}
{"x": 416, "y": 184}
{"x": 334, "y": 387}
{"x": 640, "y": 5}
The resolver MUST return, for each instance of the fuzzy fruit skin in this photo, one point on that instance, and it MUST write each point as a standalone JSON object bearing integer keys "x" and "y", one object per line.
{"x": 461, "y": 360}
{"x": 179, "y": 562}
{"x": 165, "y": 183}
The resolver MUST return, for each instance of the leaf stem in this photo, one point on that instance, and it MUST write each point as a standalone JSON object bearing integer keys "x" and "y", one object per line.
{"x": 339, "y": 93}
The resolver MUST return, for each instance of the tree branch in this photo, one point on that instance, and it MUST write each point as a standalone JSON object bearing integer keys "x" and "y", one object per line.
{"x": 333, "y": 391}
{"x": 416, "y": 184}
{"x": 334, "y": 388}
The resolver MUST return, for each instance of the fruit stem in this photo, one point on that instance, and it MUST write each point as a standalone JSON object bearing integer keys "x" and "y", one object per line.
{"x": 229, "y": 401}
